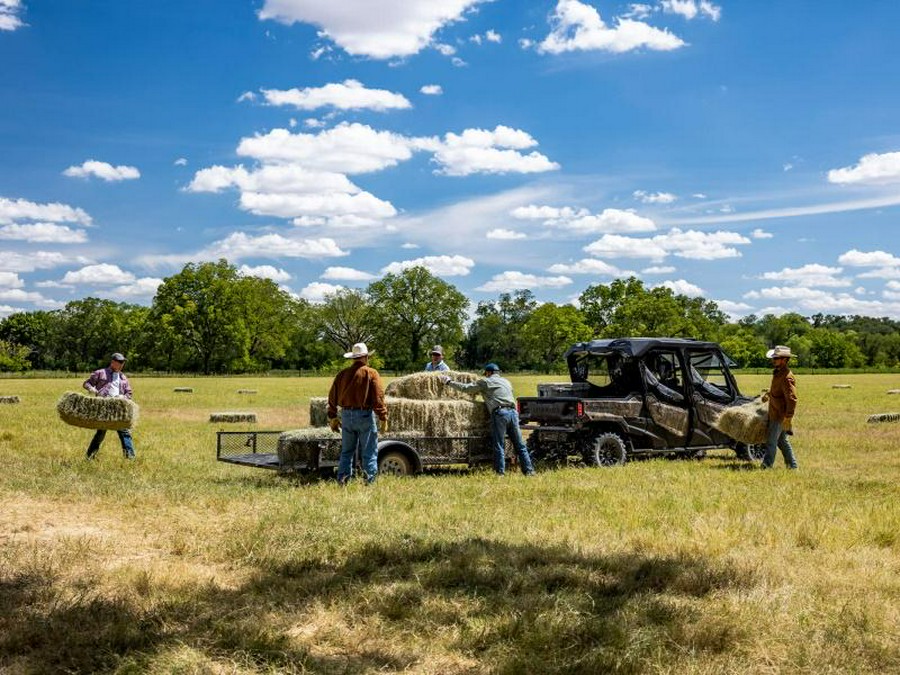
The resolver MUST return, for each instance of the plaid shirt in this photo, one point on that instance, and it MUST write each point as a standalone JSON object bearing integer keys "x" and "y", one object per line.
{"x": 100, "y": 381}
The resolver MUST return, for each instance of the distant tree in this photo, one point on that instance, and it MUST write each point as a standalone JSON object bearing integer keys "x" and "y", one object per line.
{"x": 833, "y": 349}
{"x": 267, "y": 314}
{"x": 413, "y": 310}
{"x": 13, "y": 357}
{"x": 86, "y": 332}
{"x": 496, "y": 334}
{"x": 33, "y": 330}
{"x": 549, "y": 331}
{"x": 744, "y": 346}
{"x": 778, "y": 330}
{"x": 346, "y": 318}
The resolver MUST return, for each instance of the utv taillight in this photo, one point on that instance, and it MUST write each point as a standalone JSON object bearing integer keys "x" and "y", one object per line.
{"x": 579, "y": 409}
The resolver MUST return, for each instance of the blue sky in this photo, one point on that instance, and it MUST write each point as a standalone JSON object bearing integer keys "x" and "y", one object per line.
{"x": 748, "y": 152}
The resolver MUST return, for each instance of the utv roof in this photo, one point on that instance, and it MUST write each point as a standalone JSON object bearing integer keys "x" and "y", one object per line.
{"x": 636, "y": 347}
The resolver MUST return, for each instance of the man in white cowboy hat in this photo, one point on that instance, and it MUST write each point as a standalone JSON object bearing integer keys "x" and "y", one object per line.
{"x": 437, "y": 360}
{"x": 782, "y": 398}
{"x": 357, "y": 391}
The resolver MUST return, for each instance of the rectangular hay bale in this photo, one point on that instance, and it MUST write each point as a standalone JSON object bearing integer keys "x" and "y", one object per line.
{"x": 428, "y": 386}
{"x": 747, "y": 423}
{"x": 96, "y": 412}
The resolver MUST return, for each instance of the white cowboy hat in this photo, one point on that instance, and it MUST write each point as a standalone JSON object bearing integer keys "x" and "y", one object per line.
{"x": 358, "y": 350}
{"x": 779, "y": 352}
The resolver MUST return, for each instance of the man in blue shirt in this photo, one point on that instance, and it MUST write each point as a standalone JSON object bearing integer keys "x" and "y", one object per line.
{"x": 437, "y": 360}
{"x": 501, "y": 404}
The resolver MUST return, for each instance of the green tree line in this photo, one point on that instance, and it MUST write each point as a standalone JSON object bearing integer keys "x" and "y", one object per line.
{"x": 208, "y": 318}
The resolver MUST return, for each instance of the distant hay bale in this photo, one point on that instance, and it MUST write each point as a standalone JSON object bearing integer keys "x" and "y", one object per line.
{"x": 9, "y": 400}
{"x": 95, "y": 412}
{"x": 747, "y": 423}
{"x": 183, "y": 390}
{"x": 318, "y": 411}
{"x": 428, "y": 386}
{"x": 893, "y": 391}
{"x": 296, "y": 445}
{"x": 246, "y": 391}
{"x": 233, "y": 417}
{"x": 438, "y": 418}
{"x": 842, "y": 386}
{"x": 884, "y": 417}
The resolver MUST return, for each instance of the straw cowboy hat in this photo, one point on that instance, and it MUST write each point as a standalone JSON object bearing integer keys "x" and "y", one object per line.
{"x": 779, "y": 352}
{"x": 358, "y": 350}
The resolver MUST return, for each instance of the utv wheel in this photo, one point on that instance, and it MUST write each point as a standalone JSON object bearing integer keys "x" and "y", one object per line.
{"x": 608, "y": 450}
{"x": 395, "y": 463}
{"x": 750, "y": 452}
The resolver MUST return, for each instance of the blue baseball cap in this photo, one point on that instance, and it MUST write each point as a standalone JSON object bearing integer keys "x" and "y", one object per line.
{"x": 493, "y": 367}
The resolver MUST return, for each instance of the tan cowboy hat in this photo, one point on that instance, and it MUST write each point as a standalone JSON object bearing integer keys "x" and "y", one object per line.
{"x": 358, "y": 350}
{"x": 779, "y": 352}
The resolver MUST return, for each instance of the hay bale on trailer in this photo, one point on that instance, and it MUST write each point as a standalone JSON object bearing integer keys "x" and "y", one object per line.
{"x": 233, "y": 417}
{"x": 95, "y": 412}
{"x": 428, "y": 386}
{"x": 884, "y": 417}
{"x": 318, "y": 411}
{"x": 9, "y": 400}
{"x": 295, "y": 445}
{"x": 183, "y": 390}
{"x": 438, "y": 417}
{"x": 747, "y": 423}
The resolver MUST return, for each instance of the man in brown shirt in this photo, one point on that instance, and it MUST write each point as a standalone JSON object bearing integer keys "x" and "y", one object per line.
{"x": 782, "y": 397}
{"x": 357, "y": 391}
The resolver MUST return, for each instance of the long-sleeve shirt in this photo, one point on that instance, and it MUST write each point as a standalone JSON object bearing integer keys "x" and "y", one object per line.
{"x": 103, "y": 383}
{"x": 430, "y": 367}
{"x": 357, "y": 386}
{"x": 782, "y": 394}
{"x": 496, "y": 391}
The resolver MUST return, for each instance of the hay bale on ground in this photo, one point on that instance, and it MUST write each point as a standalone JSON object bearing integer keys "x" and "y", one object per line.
{"x": 893, "y": 391}
{"x": 183, "y": 390}
{"x": 747, "y": 423}
{"x": 842, "y": 386}
{"x": 884, "y": 417}
{"x": 246, "y": 391}
{"x": 9, "y": 400}
{"x": 427, "y": 386}
{"x": 233, "y": 417}
{"x": 95, "y": 412}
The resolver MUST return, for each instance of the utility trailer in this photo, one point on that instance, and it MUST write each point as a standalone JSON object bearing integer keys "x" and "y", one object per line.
{"x": 403, "y": 454}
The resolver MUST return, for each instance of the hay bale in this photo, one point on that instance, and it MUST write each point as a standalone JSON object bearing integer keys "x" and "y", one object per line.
{"x": 884, "y": 417}
{"x": 428, "y": 386}
{"x": 842, "y": 386}
{"x": 747, "y": 423}
{"x": 183, "y": 390}
{"x": 296, "y": 445}
{"x": 95, "y": 412}
{"x": 318, "y": 411}
{"x": 246, "y": 391}
{"x": 233, "y": 417}
{"x": 893, "y": 391}
{"x": 437, "y": 418}
{"x": 9, "y": 400}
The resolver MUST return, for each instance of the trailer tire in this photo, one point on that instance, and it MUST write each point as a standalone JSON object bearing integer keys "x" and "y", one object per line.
{"x": 607, "y": 449}
{"x": 395, "y": 463}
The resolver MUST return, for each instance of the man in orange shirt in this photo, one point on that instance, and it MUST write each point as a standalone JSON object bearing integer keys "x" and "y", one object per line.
{"x": 782, "y": 397}
{"x": 357, "y": 391}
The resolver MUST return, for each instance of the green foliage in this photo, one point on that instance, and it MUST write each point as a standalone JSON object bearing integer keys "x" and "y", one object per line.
{"x": 496, "y": 334}
{"x": 549, "y": 331}
{"x": 13, "y": 357}
{"x": 412, "y": 311}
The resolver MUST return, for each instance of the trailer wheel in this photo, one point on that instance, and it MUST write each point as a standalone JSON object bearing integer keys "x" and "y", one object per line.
{"x": 608, "y": 449}
{"x": 395, "y": 463}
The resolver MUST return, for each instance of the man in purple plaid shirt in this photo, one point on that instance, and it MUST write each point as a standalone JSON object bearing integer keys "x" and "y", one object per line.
{"x": 110, "y": 381}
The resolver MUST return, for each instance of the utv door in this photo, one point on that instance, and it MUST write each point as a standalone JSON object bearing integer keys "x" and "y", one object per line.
{"x": 667, "y": 400}
{"x": 712, "y": 388}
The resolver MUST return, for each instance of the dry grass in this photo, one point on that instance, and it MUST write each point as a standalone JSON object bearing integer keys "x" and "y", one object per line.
{"x": 97, "y": 412}
{"x": 175, "y": 563}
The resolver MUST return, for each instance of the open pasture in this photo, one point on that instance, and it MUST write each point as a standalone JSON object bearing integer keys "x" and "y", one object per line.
{"x": 175, "y": 563}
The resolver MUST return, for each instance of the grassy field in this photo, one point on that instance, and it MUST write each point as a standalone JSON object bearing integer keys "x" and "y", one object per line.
{"x": 175, "y": 563}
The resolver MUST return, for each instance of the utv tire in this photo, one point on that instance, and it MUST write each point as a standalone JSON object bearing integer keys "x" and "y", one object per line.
{"x": 608, "y": 449}
{"x": 750, "y": 452}
{"x": 395, "y": 463}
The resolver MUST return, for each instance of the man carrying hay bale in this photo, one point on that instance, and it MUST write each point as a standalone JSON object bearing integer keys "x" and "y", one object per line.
{"x": 107, "y": 383}
{"x": 437, "y": 362}
{"x": 358, "y": 392}
{"x": 501, "y": 404}
{"x": 782, "y": 398}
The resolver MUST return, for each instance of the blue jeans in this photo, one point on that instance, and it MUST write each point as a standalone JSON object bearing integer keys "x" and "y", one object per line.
{"x": 778, "y": 439}
{"x": 358, "y": 430}
{"x": 124, "y": 439}
{"x": 505, "y": 421}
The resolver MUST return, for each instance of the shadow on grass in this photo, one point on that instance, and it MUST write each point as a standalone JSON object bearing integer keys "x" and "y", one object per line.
{"x": 493, "y": 607}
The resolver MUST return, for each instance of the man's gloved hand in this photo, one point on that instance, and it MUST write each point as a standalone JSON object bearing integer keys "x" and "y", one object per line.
{"x": 786, "y": 426}
{"x": 334, "y": 423}
{"x": 765, "y": 395}
{"x": 446, "y": 379}
{"x": 382, "y": 426}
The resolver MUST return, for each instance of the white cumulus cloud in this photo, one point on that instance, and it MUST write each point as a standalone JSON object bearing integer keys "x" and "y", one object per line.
{"x": 346, "y": 274}
{"x": 10, "y": 11}
{"x": 265, "y": 272}
{"x": 654, "y": 197}
{"x": 439, "y": 265}
{"x": 691, "y": 9}
{"x": 504, "y": 234}
{"x": 11, "y": 280}
{"x": 101, "y": 274}
{"x": 103, "y": 170}
{"x": 12, "y": 210}
{"x": 514, "y": 281}
{"x": 43, "y": 233}
{"x": 809, "y": 275}
{"x": 241, "y": 245}
{"x": 144, "y": 287}
{"x": 872, "y": 169}
{"x": 683, "y": 287}
{"x": 380, "y": 30}
{"x": 486, "y": 151}
{"x": 577, "y": 26}
{"x": 432, "y": 89}
{"x": 317, "y": 292}
{"x": 36, "y": 260}
{"x": 589, "y": 266}
{"x": 346, "y": 95}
